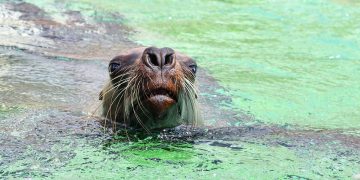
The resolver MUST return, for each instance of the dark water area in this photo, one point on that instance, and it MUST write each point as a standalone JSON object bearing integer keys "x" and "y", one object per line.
{"x": 68, "y": 34}
{"x": 44, "y": 102}
{"x": 53, "y": 64}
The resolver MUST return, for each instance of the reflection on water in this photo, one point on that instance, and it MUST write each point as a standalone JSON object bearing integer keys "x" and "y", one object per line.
{"x": 286, "y": 62}
{"x": 41, "y": 82}
{"x": 43, "y": 105}
{"x": 48, "y": 93}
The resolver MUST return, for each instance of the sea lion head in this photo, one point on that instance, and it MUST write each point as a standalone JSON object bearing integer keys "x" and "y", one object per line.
{"x": 152, "y": 88}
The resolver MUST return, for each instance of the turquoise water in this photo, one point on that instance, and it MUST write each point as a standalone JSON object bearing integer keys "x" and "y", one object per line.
{"x": 291, "y": 65}
{"x": 286, "y": 62}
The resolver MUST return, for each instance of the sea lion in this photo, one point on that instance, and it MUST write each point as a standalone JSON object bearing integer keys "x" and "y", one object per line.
{"x": 151, "y": 88}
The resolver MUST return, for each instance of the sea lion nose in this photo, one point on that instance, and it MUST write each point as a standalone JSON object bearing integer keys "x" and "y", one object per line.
{"x": 151, "y": 58}
{"x": 168, "y": 57}
{"x": 159, "y": 59}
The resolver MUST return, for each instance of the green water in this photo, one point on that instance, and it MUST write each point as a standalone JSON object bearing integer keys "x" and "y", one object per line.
{"x": 284, "y": 62}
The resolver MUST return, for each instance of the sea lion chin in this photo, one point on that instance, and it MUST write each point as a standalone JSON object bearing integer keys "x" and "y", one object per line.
{"x": 159, "y": 104}
{"x": 151, "y": 88}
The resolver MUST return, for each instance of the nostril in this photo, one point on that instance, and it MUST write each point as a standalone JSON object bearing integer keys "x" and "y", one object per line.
{"x": 153, "y": 59}
{"x": 169, "y": 59}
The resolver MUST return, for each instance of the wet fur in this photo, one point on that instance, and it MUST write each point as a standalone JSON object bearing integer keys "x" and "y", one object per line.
{"x": 121, "y": 96}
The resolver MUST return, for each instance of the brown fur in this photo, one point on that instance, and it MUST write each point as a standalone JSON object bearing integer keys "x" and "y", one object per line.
{"x": 151, "y": 88}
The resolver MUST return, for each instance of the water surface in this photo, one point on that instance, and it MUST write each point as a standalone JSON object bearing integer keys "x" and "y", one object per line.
{"x": 278, "y": 84}
{"x": 287, "y": 62}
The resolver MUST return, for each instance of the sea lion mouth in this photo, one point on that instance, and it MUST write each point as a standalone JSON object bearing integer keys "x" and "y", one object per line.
{"x": 161, "y": 92}
{"x": 159, "y": 100}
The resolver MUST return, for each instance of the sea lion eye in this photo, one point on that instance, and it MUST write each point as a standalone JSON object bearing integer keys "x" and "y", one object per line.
{"x": 193, "y": 68}
{"x": 113, "y": 67}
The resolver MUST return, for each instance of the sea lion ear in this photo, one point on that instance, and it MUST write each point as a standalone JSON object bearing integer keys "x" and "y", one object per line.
{"x": 100, "y": 95}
